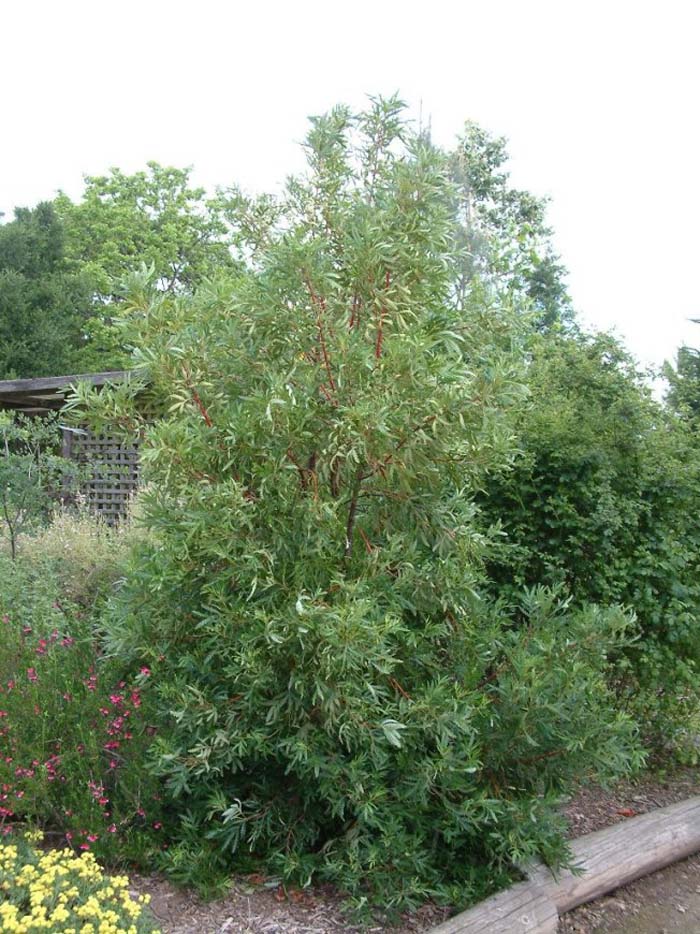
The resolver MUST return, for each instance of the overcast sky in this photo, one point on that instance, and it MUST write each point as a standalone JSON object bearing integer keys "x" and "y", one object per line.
{"x": 599, "y": 101}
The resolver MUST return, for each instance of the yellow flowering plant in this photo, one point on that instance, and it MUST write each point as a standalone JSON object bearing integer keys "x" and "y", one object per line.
{"x": 59, "y": 891}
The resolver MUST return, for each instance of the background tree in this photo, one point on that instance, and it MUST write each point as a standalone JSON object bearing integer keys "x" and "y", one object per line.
{"x": 504, "y": 237}
{"x": 154, "y": 218}
{"x": 44, "y": 302}
{"x": 683, "y": 395}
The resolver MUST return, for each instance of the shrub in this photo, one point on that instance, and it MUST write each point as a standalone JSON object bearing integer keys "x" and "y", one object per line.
{"x": 59, "y": 891}
{"x": 336, "y": 699}
{"x": 604, "y": 501}
{"x": 32, "y": 474}
{"x": 73, "y": 725}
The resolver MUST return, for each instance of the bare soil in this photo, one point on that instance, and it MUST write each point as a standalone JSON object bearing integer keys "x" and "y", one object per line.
{"x": 666, "y": 903}
{"x": 251, "y": 908}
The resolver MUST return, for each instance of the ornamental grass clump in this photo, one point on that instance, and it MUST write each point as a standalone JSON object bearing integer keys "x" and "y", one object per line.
{"x": 336, "y": 698}
{"x": 57, "y": 890}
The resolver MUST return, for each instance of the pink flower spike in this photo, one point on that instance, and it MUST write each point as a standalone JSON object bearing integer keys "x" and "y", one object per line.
{"x": 31, "y": 674}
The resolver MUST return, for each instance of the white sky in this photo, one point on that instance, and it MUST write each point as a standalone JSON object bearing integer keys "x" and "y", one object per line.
{"x": 599, "y": 101}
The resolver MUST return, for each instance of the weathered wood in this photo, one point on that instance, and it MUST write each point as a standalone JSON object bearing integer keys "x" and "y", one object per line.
{"x": 55, "y": 383}
{"x": 619, "y": 854}
{"x": 114, "y": 473}
{"x": 606, "y": 859}
{"x": 521, "y": 908}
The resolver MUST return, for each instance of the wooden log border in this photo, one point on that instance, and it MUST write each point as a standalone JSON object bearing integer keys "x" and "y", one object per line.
{"x": 607, "y": 859}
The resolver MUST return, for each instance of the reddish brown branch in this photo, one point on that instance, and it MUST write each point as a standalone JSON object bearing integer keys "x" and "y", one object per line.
{"x": 202, "y": 408}
{"x": 380, "y": 326}
{"x": 352, "y": 514}
{"x": 319, "y": 304}
{"x": 354, "y": 313}
{"x": 196, "y": 398}
{"x": 397, "y": 687}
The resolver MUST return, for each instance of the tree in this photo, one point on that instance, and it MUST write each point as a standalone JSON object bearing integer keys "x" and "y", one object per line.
{"x": 337, "y": 698}
{"x": 32, "y": 474}
{"x": 44, "y": 306}
{"x": 683, "y": 395}
{"x": 153, "y": 218}
{"x": 504, "y": 237}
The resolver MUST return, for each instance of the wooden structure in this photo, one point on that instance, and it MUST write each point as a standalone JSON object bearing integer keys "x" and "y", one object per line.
{"x": 605, "y": 860}
{"x": 111, "y": 466}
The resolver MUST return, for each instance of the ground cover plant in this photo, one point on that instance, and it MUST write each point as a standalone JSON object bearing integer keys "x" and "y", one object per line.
{"x": 337, "y": 696}
{"x": 57, "y": 890}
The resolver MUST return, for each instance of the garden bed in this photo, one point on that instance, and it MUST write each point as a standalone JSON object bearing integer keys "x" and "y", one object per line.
{"x": 251, "y": 907}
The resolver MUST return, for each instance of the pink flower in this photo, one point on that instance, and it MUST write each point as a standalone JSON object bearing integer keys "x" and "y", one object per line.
{"x": 112, "y": 828}
{"x": 31, "y": 674}
{"x": 145, "y": 671}
{"x": 157, "y": 825}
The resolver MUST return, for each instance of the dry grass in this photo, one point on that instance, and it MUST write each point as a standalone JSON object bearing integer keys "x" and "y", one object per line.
{"x": 87, "y": 555}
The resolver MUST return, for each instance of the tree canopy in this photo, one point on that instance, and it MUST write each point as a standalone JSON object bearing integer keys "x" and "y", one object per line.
{"x": 44, "y": 302}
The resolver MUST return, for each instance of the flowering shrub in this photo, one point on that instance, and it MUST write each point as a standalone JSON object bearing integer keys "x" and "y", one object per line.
{"x": 70, "y": 726}
{"x": 60, "y": 891}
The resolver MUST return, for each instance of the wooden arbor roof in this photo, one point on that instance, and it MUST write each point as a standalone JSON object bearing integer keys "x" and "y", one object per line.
{"x": 48, "y": 393}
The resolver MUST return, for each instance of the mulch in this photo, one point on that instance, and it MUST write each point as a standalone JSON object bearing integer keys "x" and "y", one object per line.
{"x": 252, "y": 908}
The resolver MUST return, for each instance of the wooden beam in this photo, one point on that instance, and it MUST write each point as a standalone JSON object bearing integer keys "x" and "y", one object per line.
{"x": 605, "y": 860}
{"x": 58, "y": 383}
{"x": 619, "y": 854}
{"x": 521, "y": 908}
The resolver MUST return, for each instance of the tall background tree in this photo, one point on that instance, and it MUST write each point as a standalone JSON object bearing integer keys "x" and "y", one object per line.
{"x": 153, "y": 217}
{"x": 45, "y": 301}
{"x": 504, "y": 236}
{"x": 683, "y": 395}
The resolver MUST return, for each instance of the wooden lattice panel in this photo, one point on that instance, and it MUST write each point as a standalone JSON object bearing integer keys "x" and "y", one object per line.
{"x": 112, "y": 471}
